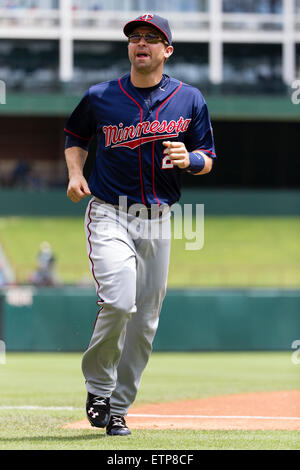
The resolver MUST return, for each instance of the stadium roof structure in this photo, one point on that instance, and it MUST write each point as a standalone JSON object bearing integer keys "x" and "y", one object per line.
{"x": 214, "y": 27}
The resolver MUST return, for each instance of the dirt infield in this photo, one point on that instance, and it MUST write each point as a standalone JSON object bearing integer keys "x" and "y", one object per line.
{"x": 250, "y": 411}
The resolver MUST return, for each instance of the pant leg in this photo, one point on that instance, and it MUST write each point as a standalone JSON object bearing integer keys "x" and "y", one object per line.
{"x": 113, "y": 264}
{"x": 152, "y": 272}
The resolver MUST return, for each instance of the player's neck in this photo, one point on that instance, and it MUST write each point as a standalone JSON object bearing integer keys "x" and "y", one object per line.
{"x": 141, "y": 80}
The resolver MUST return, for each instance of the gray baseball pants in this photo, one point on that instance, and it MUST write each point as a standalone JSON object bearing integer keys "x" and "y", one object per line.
{"x": 129, "y": 259}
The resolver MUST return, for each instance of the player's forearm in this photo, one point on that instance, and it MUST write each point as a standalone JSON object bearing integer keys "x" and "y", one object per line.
{"x": 207, "y": 166}
{"x": 75, "y": 159}
{"x": 78, "y": 186}
{"x": 199, "y": 163}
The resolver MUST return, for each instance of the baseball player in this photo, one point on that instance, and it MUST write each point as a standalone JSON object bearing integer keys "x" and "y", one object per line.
{"x": 150, "y": 128}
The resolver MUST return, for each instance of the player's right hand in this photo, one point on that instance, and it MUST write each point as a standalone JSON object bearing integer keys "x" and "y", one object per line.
{"x": 78, "y": 188}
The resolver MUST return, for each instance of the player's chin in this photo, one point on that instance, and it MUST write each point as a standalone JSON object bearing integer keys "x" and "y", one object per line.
{"x": 142, "y": 64}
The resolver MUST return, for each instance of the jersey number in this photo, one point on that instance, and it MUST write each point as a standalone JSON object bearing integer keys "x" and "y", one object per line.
{"x": 166, "y": 163}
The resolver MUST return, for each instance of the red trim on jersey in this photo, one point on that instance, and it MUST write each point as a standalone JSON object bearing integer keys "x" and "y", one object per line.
{"x": 204, "y": 150}
{"x": 153, "y": 145}
{"x": 140, "y": 154}
{"x": 83, "y": 138}
{"x": 91, "y": 261}
{"x": 132, "y": 144}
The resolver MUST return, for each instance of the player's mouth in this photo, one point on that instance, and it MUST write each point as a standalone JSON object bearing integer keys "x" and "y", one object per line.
{"x": 142, "y": 55}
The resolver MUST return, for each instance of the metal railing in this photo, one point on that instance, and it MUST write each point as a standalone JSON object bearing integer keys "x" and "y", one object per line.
{"x": 187, "y": 23}
{"x": 20, "y": 18}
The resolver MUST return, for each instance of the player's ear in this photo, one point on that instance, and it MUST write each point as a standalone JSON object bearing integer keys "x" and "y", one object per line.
{"x": 168, "y": 52}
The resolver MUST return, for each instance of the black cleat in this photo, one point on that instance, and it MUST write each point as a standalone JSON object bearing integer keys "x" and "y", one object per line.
{"x": 117, "y": 426}
{"x": 97, "y": 410}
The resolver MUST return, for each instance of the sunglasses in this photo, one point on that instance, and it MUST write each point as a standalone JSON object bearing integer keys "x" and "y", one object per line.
{"x": 150, "y": 38}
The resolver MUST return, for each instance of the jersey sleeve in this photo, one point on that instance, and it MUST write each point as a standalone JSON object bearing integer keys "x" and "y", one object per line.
{"x": 81, "y": 125}
{"x": 199, "y": 135}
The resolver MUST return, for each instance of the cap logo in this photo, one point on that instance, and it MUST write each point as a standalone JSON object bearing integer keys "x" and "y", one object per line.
{"x": 147, "y": 17}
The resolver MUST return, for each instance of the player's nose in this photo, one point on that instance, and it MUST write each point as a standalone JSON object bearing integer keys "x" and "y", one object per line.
{"x": 142, "y": 40}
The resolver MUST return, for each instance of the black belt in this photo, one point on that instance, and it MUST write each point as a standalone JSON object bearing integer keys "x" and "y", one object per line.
{"x": 144, "y": 212}
{"x": 148, "y": 213}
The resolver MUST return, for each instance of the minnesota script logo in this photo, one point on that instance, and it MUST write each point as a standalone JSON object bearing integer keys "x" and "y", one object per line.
{"x": 119, "y": 135}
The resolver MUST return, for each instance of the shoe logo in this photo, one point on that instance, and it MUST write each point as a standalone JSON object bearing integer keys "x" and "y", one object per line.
{"x": 99, "y": 401}
{"x": 92, "y": 413}
{"x": 118, "y": 421}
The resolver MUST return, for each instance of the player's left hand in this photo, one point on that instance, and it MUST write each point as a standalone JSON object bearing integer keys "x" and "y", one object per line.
{"x": 177, "y": 153}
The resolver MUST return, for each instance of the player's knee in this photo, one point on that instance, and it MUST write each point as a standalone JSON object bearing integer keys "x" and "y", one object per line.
{"x": 123, "y": 306}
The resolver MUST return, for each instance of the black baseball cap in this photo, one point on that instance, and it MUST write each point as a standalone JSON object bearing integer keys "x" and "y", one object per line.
{"x": 161, "y": 24}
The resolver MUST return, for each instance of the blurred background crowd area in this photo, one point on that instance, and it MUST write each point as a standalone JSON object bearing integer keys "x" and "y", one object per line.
{"x": 241, "y": 45}
{"x": 243, "y": 55}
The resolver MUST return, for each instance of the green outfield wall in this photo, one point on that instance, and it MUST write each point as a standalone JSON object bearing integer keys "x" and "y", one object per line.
{"x": 221, "y": 106}
{"x": 51, "y": 319}
{"x": 216, "y": 202}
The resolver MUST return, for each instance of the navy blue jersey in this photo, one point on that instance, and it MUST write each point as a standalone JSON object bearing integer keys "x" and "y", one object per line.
{"x": 130, "y": 125}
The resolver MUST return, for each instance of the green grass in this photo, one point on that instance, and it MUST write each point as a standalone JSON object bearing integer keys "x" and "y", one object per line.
{"x": 237, "y": 252}
{"x": 34, "y": 431}
{"x": 241, "y": 252}
{"x": 21, "y": 238}
{"x": 55, "y": 379}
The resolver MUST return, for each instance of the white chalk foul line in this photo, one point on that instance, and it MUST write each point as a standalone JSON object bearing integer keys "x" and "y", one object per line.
{"x": 29, "y": 407}
{"x": 211, "y": 417}
{"x": 137, "y": 415}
